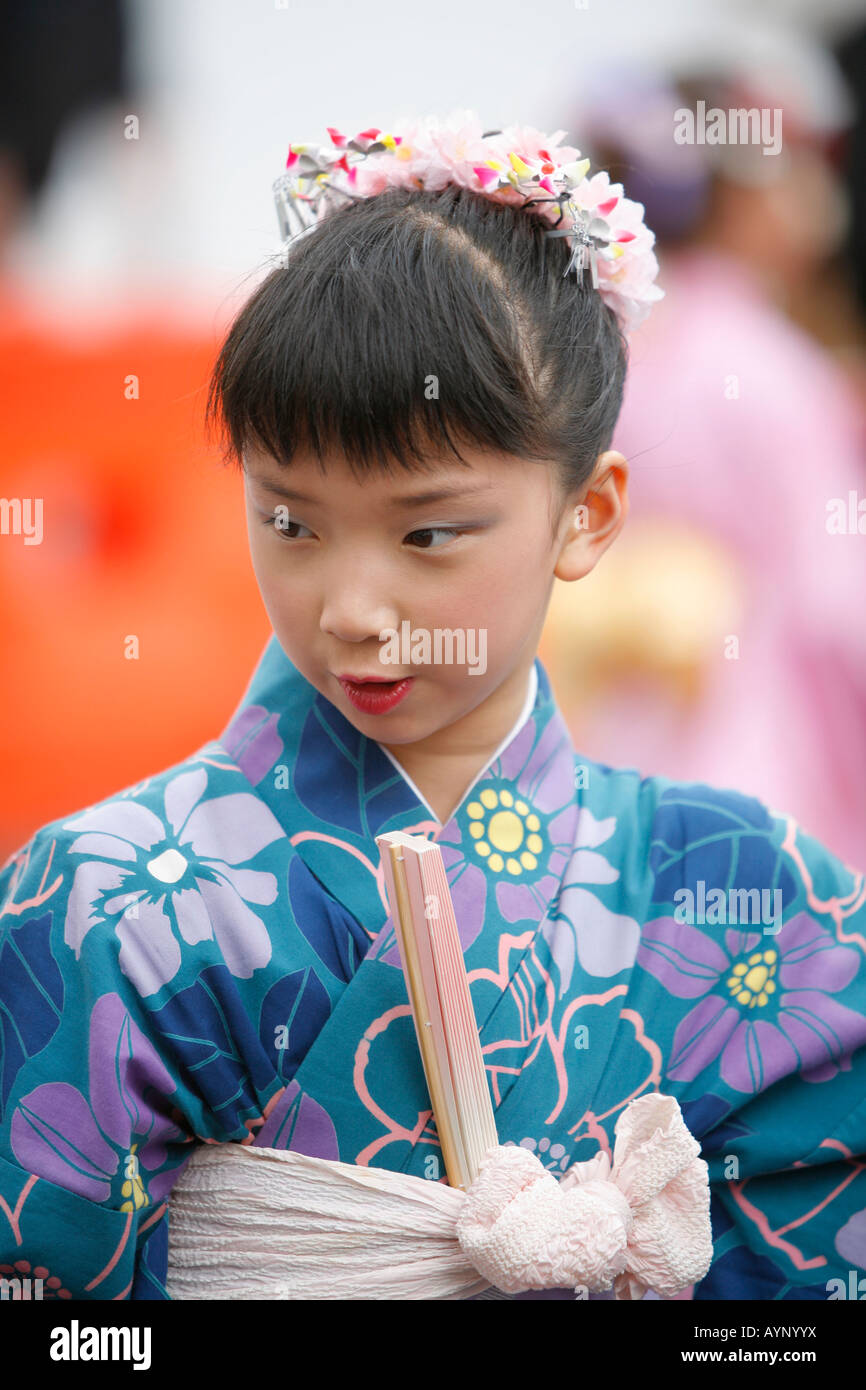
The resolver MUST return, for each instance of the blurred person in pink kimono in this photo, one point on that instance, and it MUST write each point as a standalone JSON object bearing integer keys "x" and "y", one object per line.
{"x": 748, "y": 469}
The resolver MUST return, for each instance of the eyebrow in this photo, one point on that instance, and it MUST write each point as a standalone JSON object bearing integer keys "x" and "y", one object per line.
{"x": 416, "y": 499}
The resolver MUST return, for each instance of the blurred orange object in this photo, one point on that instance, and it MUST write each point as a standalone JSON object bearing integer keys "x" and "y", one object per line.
{"x": 143, "y": 537}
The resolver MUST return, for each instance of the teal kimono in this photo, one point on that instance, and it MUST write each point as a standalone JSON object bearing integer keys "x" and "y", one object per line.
{"x": 207, "y": 957}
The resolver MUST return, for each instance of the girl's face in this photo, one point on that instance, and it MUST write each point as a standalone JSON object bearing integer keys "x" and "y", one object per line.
{"x": 442, "y": 576}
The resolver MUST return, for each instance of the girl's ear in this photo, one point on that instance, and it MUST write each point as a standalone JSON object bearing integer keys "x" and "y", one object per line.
{"x": 594, "y": 517}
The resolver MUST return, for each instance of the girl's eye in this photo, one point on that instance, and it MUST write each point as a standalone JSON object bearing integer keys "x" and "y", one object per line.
{"x": 426, "y": 544}
{"x": 423, "y": 539}
{"x": 285, "y": 528}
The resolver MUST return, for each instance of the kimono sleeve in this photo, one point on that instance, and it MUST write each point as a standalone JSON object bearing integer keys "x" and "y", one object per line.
{"x": 764, "y": 966}
{"x": 90, "y": 1140}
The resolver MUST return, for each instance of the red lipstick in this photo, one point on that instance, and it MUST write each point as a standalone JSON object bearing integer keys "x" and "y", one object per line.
{"x": 373, "y": 695}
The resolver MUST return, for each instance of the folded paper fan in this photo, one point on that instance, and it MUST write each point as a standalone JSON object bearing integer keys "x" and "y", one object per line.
{"x": 432, "y": 957}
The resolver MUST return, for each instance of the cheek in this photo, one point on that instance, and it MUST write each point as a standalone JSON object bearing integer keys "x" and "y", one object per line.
{"x": 280, "y": 600}
{"x": 261, "y": 556}
{"x": 502, "y": 594}
{"x": 509, "y": 579}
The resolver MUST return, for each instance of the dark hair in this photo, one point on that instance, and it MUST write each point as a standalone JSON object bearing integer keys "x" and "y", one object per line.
{"x": 334, "y": 350}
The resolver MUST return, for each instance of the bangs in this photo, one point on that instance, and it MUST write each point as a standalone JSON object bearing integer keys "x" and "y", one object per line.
{"x": 397, "y": 333}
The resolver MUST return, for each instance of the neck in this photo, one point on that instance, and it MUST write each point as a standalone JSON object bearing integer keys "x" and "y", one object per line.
{"x": 444, "y": 765}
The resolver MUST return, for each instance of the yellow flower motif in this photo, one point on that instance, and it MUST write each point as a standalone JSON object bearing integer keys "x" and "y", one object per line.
{"x": 518, "y": 165}
{"x": 505, "y": 831}
{"x": 133, "y": 1187}
{"x": 751, "y": 982}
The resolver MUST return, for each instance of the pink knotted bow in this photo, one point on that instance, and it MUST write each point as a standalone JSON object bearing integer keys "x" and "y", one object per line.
{"x": 642, "y": 1223}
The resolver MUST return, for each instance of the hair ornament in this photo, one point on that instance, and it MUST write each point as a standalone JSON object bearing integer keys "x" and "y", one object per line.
{"x": 519, "y": 165}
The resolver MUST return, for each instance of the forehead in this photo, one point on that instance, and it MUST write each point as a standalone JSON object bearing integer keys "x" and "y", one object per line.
{"x": 308, "y": 479}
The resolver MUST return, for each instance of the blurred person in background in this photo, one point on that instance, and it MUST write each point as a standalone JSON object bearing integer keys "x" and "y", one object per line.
{"x": 851, "y": 54}
{"x": 138, "y": 573}
{"x": 724, "y": 641}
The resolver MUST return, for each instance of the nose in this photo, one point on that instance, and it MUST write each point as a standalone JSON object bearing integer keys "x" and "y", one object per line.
{"x": 354, "y": 612}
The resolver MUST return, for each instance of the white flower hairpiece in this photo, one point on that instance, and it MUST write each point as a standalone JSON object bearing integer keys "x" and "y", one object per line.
{"x": 519, "y": 165}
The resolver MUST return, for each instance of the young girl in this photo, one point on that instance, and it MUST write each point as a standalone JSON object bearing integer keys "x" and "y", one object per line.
{"x": 422, "y": 401}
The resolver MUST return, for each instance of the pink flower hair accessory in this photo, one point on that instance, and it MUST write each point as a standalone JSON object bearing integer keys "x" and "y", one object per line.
{"x": 518, "y": 165}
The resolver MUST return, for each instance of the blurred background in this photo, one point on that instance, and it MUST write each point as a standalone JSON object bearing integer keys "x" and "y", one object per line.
{"x": 723, "y": 637}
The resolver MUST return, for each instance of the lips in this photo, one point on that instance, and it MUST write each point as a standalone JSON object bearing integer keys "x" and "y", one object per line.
{"x": 370, "y": 680}
{"x": 373, "y": 695}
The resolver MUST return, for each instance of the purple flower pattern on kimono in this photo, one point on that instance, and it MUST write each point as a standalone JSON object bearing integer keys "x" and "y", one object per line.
{"x": 187, "y": 876}
{"x": 254, "y": 741}
{"x": 760, "y": 1033}
{"x": 851, "y": 1239}
{"x": 79, "y": 1144}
